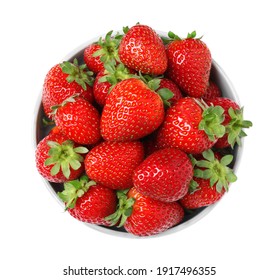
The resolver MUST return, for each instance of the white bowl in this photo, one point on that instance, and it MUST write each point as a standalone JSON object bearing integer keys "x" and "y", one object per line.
{"x": 217, "y": 75}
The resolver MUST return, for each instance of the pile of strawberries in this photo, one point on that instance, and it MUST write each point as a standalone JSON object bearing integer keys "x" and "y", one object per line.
{"x": 142, "y": 134}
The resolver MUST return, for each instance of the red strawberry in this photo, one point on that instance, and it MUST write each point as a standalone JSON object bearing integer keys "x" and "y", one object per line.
{"x": 58, "y": 159}
{"x": 164, "y": 175}
{"x": 190, "y": 126}
{"x": 167, "y": 83}
{"x": 64, "y": 80}
{"x": 189, "y": 64}
{"x": 144, "y": 216}
{"x": 112, "y": 163}
{"x": 101, "y": 88}
{"x": 105, "y": 50}
{"x": 233, "y": 122}
{"x": 88, "y": 202}
{"x": 132, "y": 111}
{"x": 212, "y": 180}
{"x": 78, "y": 120}
{"x": 143, "y": 50}
{"x": 212, "y": 91}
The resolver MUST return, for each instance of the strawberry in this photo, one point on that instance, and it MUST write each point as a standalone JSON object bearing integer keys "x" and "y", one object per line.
{"x": 105, "y": 50}
{"x": 145, "y": 216}
{"x": 191, "y": 126}
{"x": 164, "y": 175}
{"x": 167, "y": 83}
{"x": 143, "y": 50}
{"x": 233, "y": 122}
{"x": 64, "y": 80}
{"x": 189, "y": 64}
{"x": 78, "y": 120}
{"x": 132, "y": 111}
{"x": 212, "y": 91}
{"x": 88, "y": 202}
{"x": 58, "y": 159}
{"x": 212, "y": 180}
{"x": 101, "y": 89}
{"x": 112, "y": 163}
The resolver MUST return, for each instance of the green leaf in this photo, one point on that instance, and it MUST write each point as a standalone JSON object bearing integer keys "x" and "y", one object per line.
{"x": 55, "y": 169}
{"x": 165, "y": 93}
{"x": 226, "y": 160}
{"x": 81, "y": 150}
{"x": 209, "y": 155}
{"x": 75, "y": 164}
{"x": 65, "y": 169}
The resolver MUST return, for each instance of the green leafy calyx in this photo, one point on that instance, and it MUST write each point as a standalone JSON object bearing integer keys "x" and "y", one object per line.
{"x": 79, "y": 74}
{"x": 116, "y": 73}
{"x": 217, "y": 171}
{"x": 109, "y": 48}
{"x": 124, "y": 209}
{"x": 75, "y": 189}
{"x": 234, "y": 128}
{"x": 64, "y": 157}
{"x": 212, "y": 119}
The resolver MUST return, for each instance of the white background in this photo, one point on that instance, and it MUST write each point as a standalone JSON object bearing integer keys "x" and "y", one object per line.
{"x": 239, "y": 237}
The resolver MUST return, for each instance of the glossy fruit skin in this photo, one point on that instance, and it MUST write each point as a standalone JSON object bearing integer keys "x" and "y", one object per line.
{"x": 131, "y": 112}
{"x": 212, "y": 91}
{"x": 189, "y": 64}
{"x": 143, "y": 50}
{"x": 180, "y": 128}
{"x": 79, "y": 121}
{"x": 112, "y": 163}
{"x": 226, "y": 104}
{"x": 96, "y": 204}
{"x": 101, "y": 89}
{"x": 204, "y": 196}
{"x": 167, "y": 83}
{"x": 93, "y": 63}
{"x": 150, "y": 216}
{"x": 165, "y": 175}
{"x": 41, "y": 155}
{"x": 56, "y": 89}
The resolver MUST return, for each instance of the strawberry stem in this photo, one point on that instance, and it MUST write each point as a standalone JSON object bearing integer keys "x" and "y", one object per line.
{"x": 79, "y": 74}
{"x": 75, "y": 189}
{"x": 124, "y": 209}
{"x": 64, "y": 156}
{"x": 217, "y": 171}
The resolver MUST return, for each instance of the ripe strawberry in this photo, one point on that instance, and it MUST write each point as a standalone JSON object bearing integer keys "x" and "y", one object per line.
{"x": 213, "y": 180}
{"x": 190, "y": 126}
{"x": 167, "y": 83}
{"x": 143, "y": 50}
{"x": 78, "y": 120}
{"x": 233, "y": 122}
{"x": 212, "y": 91}
{"x": 112, "y": 163}
{"x": 164, "y": 175}
{"x": 101, "y": 89}
{"x": 144, "y": 216}
{"x": 88, "y": 202}
{"x": 58, "y": 159}
{"x": 132, "y": 111}
{"x": 106, "y": 50}
{"x": 189, "y": 64}
{"x": 64, "y": 80}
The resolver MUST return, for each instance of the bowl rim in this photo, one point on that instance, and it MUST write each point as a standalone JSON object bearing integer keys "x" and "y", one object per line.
{"x": 105, "y": 230}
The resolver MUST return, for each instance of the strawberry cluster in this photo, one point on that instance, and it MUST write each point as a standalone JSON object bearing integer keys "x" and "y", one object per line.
{"x": 141, "y": 133}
